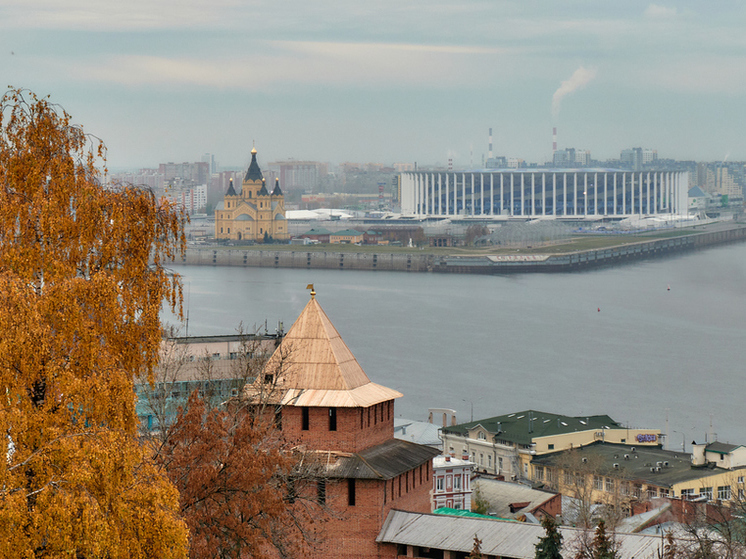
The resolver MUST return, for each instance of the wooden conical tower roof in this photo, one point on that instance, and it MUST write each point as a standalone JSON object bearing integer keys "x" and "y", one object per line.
{"x": 314, "y": 367}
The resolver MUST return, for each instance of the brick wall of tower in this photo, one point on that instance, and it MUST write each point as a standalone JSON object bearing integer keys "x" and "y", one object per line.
{"x": 356, "y": 429}
{"x": 351, "y": 531}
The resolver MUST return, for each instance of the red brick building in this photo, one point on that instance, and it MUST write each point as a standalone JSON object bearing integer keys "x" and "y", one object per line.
{"x": 329, "y": 404}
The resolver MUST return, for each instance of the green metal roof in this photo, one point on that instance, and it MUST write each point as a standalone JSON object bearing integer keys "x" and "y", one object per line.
{"x": 461, "y": 512}
{"x": 525, "y": 426}
{"x": 348, "y": 232}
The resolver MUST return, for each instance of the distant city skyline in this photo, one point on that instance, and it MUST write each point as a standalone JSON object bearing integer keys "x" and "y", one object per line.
{"x": 386, "y": 82}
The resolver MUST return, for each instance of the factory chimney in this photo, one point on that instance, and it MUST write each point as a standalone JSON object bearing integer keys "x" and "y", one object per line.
{"x": 489, "y": 156}
{"x": 554, "y": 139}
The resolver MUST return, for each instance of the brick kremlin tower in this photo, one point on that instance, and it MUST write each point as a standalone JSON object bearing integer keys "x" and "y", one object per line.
{"x": 329, "y": 404}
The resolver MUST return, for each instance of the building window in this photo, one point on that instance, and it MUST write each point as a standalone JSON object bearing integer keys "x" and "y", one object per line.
{"x": 321, "y": 492}
{"x": 500, "y": 462}
{"x": 489, "y": 461}
{"x": 351, "y": 492}
{"x": 598, "y": 483}
{"x": 609, "y": 485}
{"x": 706, "y": 492}
{"x": 724, "y": 492}
{"x": 539, "y": 473}
{"x": 740, "y": 479}
{"x": 687, "y": 493}
{"x": 652, "y": 492}
{"x": 481, "y": 436}
{"x": 332, "y": 419}
{"x": 551, "y": 447}
{"x": 439, "y": 484}
{"x": 304, "y": 416}
{"x": 457, "y": 483}
{"x": 481, "y": 459}
{"x": 664, "y": 492}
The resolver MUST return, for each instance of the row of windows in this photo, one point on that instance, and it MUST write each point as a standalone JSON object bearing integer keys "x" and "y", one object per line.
{"x": 377, "y": 412}
{"x": 306, "y": 421}
{"x": 724, "y": 493}
{"x": 409, "y": 480}
{"x": 444, "y": 483}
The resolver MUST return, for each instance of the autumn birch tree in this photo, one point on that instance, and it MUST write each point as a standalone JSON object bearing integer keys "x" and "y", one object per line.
{"x": 82, "y": 281}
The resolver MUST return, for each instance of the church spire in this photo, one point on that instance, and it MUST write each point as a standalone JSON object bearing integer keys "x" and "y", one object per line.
{"x": 277, "y": 191}
{"x": 254, "y": 173}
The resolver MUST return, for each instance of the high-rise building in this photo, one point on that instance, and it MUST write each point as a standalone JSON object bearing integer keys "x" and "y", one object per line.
{"x": 305, "y": 176}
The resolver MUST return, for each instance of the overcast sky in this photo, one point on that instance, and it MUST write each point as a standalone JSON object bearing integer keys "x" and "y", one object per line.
{"x": 386, "y": 80}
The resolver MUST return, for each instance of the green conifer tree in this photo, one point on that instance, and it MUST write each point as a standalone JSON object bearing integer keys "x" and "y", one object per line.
{"x": 476, "y": 551}
{"x": 603, "y": 545}
{"x": 550, "y": 546}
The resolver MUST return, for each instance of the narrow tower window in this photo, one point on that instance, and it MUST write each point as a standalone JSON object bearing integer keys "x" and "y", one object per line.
{"x": 351, "y": 492}
{"x": 332, "y": 419}
{"x": 304, "y": 412}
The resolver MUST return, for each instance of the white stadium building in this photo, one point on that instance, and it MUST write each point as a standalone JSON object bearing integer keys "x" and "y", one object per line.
{"x": 571, "y": 193}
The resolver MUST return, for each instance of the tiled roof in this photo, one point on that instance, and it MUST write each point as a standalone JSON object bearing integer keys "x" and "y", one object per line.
{"x": 316, "y": 368}
{"x": 383, "y": 461}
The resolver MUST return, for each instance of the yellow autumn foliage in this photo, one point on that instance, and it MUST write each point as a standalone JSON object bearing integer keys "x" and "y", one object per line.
{"x": 82, "y": 281}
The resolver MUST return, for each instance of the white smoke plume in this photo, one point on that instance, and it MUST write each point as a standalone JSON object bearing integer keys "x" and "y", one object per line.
{"x": 579, "y": 79}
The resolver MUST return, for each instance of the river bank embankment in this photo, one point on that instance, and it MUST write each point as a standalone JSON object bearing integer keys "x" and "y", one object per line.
{"x": 579, "y": 253}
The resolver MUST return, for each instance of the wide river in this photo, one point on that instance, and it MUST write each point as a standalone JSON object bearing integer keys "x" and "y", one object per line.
{"x": 611, "y": 341}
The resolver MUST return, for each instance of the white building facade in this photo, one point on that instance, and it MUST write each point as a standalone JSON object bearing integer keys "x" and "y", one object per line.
{"x": 578, "y": 193}
{"x": 451, "y": 483}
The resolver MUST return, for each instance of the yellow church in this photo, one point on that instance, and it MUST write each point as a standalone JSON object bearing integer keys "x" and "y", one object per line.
{"x": 253, "y": 214}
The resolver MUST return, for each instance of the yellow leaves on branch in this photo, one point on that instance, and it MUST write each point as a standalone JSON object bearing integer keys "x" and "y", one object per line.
{"x": 82, "y": 281}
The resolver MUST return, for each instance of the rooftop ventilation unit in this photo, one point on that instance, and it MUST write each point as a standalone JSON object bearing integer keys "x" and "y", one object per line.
{"x": 616, "y": 466}
{"x": 626, "y": 456}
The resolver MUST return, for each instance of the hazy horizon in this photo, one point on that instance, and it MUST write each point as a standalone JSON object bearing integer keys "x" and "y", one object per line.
{"x": 386, "y": 81}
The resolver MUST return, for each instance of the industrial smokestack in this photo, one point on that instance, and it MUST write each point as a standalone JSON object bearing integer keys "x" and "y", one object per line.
{"x": 490, "y": 150}
{"x": 554, "y": 139}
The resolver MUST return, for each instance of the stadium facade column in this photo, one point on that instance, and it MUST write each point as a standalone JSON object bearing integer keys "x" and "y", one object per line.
{"x": 595, "y": 194}
{"x": 585, "y": 194}
{"x": 472, "y": 195}
{"x": 512, "y": 195}
{"x": 481, "y": 196}
{"x": 440, "y": 194}
{"x": 543, "y": 194}
{"x": 448, "y": 196}
{"x": 606, "y": 192}
{"x": 502, "y": 195}
{"x": 523, "y": 196}
{"x": 554, "y": 192}
{"x": 463, "y": 194}
{"x": 533, "y": 193}
{"x": 492, "y": 193}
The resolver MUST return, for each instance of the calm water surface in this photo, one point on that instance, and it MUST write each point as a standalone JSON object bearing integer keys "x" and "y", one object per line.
{"x": 506, "y": 343}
